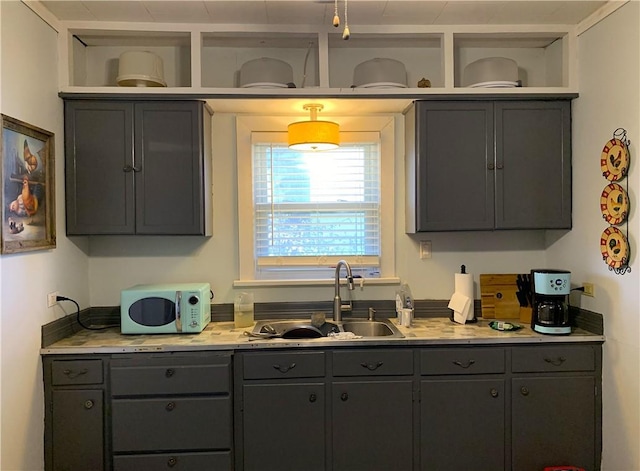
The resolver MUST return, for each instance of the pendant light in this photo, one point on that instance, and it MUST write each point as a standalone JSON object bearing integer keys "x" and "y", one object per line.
{"x": 313, "y": 134}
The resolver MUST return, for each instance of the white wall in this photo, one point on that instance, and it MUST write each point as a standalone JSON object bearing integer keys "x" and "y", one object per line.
{"x": 609, "y": 58}
{"x": 29, "y": 92}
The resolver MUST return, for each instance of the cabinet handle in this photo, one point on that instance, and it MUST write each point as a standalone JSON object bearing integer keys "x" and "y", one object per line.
{"x": 74, "y": 374}
{"x": 494, "y": 392}
{"x": 131, "y": 168}
{"x": 490, "y": 166}
{"x": 344, "y": 396}
{"x": 556, "y": 361}
{"x": 169, "y": 373}
{"x": 312, "y": 398}
{"x": 371, "y": 366}
{"x": 499, "y": 166}
{"x": 88, "y": 404}
{"x": 170, "y": 406}
{"x": 284, "y": 369}
{"x": 172, "y": 461}
{"x": 524, "y": 391}
{"x": 464, "y": 365}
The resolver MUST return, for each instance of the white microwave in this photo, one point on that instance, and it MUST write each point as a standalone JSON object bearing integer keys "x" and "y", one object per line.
{"x": 173, "y": 308}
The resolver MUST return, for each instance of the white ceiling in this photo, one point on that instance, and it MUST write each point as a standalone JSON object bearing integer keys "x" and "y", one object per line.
{"x": 318, "y": 12}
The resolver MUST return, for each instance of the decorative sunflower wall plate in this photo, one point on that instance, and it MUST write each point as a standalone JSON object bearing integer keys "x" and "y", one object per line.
{"x": 614, "y": 204}
{"x": 614, "y": 160}
{"x": 614, "y": 248}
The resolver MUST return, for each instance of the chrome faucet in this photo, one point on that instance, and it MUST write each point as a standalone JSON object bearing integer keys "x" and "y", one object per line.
{"x": 338, "y": 307}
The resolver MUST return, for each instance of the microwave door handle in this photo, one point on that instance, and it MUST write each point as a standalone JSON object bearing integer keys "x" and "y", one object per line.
{"x": 177, "y": 311}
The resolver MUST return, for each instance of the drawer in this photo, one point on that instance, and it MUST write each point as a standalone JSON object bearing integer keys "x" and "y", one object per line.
{"x": 462, "y": 361}
{"x": 283, "y": 365}
{"x": 175, "y": 461}
{"x": 171, "y": 424}
{"x": 206, "y": 374}
{"x": 372, "y": 362}
{"x": 66, "y": 372}
{"x": 548, "y": 359}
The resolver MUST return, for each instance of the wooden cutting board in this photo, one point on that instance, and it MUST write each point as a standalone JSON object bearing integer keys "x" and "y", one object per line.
{"x": 498, "y": 296}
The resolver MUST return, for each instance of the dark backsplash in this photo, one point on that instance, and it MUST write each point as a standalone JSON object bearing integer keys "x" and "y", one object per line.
{"x": 110, "y": 316}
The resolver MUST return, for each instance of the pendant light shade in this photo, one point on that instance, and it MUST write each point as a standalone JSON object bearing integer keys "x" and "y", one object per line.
{"x": 313, "y": 134}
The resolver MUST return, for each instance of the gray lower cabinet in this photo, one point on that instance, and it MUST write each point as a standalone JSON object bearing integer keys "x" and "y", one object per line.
{"x": 288, "y": 421}
{"x": 171, "y": 410}
{"x": 137, "y": 167}
{"x": 556, "y": 407}
{"x": 372, "y": 410}
{"x": 74, "y": 414}
{"x": 485, "y": 165}
{"x": 432, "y": 408}
{"x": 282, "y": 411}
{"x": 463, "y": 409}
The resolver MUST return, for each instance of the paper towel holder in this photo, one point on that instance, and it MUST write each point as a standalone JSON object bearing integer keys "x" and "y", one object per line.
{"x": 474, "y": 319}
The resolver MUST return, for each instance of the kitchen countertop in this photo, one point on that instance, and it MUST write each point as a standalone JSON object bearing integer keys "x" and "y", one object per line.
{"x": 223, "y": 336}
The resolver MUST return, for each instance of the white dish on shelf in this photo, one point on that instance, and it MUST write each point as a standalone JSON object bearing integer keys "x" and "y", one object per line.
{"x": 382, "y": 85}
{"x": 495, "y": 84}
{"x": 265, "y": 85}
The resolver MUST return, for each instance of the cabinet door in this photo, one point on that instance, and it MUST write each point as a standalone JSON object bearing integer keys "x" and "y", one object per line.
{"x": 77, "y": 430}
{"x": 553, "y": 422}
{"x": 284, "y": 427}
{"x": 169, "y": 154}
{"x": 98, "y": 150}
{"x": 454, "y": 158}
{"x": 462, "y": 425}
{"x": 372, "y": 425}
{"x": 533, "y": 165}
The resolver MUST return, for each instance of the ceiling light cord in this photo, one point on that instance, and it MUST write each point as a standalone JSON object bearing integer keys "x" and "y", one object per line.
{"x": 336, "y": 18}
{"x": 346, "y": 34}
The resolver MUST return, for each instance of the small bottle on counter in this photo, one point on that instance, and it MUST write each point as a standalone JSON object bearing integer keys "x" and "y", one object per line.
{"x": 243, "y": 315}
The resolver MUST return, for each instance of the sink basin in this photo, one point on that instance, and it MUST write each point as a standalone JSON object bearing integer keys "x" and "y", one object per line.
{"x": 303, "y": 329}
{"x": 294, "y": 329}
{"x": 366, "y": 328}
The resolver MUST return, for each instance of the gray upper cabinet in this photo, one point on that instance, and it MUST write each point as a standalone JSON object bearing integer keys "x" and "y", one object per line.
{"x": 137, "y": 167}
{"x": 486, "y": 165}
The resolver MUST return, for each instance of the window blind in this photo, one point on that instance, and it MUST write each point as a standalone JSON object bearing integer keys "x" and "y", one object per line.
{"x": 314, "y": 208}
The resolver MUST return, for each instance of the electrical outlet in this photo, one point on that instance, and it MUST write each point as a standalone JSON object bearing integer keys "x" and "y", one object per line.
{"x": 51, "y": 299}
{"x": 589, "y": 290}
{"x": 425, "y": 249}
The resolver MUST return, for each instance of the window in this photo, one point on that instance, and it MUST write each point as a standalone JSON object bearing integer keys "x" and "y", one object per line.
{"x": 304, "y": 211}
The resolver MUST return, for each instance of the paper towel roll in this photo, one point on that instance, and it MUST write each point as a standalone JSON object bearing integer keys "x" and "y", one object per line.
{"x": 463, "y": 283}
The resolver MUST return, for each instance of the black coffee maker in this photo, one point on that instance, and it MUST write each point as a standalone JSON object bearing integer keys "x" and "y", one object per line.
{"x": 550, "y": 308}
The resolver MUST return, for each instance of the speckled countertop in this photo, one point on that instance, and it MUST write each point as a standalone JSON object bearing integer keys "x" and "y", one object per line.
{"x": 223, "y": 336}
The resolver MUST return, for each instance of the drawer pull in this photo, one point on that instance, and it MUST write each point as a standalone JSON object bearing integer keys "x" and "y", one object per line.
{"x": 344, "y": 396}
{"x": 172, "y": 461}
{"x": 556, "y": 361}
{"x": 494, "y": 392}
{"x": 312, "y": 398}
{"x": 88, "y": 404}
{"x": 371, "y": 366}
{"x": 170, "y": 406}
{"x": 464, "y": 365}
{"x": 284, "y": 369}
{"x": 524, "y": 391}
{"x": 169, "y": 373}
{"x": 74, "y": 374}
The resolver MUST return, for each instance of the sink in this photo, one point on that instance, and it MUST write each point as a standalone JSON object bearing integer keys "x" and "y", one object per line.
{"x": 303, "y": 329}
{"x": 366, "y": 328}
{"x": 294, "y": 329}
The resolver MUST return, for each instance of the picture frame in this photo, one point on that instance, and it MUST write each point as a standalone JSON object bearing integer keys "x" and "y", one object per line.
{"x": 27, "y": 174}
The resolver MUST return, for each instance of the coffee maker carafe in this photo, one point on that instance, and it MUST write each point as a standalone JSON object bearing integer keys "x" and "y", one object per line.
{"x": 550, "y": 289}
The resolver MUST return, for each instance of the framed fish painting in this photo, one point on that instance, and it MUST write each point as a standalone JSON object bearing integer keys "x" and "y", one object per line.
{"x": 27, "y": 174}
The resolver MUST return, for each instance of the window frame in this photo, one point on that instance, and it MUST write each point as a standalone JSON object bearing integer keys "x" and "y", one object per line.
{"x": 246, "y": 126}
